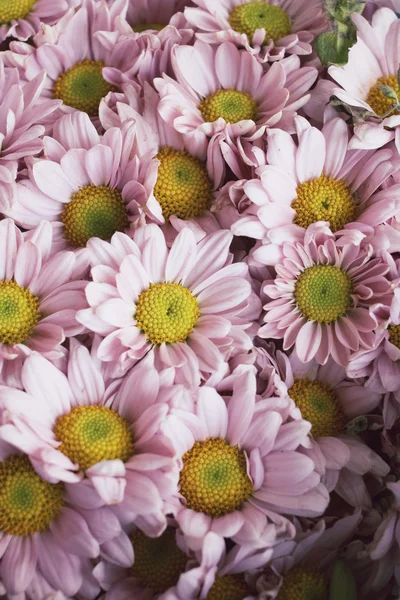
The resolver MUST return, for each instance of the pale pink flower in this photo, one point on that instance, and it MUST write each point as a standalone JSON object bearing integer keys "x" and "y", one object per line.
{"x": 305, "y": 20}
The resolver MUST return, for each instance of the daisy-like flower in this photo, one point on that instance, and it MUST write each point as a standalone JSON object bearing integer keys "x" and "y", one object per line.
{"x": 268, "y": 30}
{"x": 338, "y": 186}
{"x": 189, "y": 304}
{"x": 72, "y": 426}
{"x": 321, "y": 297}
{"x": 224, "y": 89}
{"x": 155, "y": 15}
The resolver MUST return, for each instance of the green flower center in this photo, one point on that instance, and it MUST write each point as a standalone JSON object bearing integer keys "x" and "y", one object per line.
{"x": 394, "y": 335}
{"x": 90, "y": 434}
{"x": 246, "y": 18}
{"x": 158, "y": 561}
{"x": 166, "y": 312}
{"x": 231, "y": 105}
{"x": 147, "y": 27}
{"x": 19, "y": 313}
{"x": 214, "y": 478}
{"x": 303, "y": 584}
{"x": 377, "y": 101}
{"x": 28, "y": 503}
{"x": 183, "y": 186}
{"x": 15, "y": 9}
{"x": 94, "y": 211}
{"x": 319, "y": 405}
{"x": 229, "y": 587}
{"x": 323, "y": 293}
{"x": 83, "y": 86}
{"x": 324, "y": 199}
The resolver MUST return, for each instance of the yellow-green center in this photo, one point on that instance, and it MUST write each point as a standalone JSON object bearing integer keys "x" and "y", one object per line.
{"x": 147, "y": 27}
{"x": 303, "y": 584}
{"x": 19, "y": 313}
{"x": 246, "y": 18}
{"x": 394, "y": 335}
{"x": 231, "y": 105}
{"x": 324, "y": 199}
{"x": 214, "y": 478}
{"x": 323, "y": 293}
{"x": 229, "y": 587}
{"x": 158, "y": 561}
{"x": 378, "y": 101}
{"x": 183, "y": 186}
{"x": 94, "y": 211}
{"x": 166, "y": 312}
{"x": 28, "y": 503}
{"x": 15, "y": 9}
{"x": 83, "y": 86}
{"x": 319, "y": 405}
{"x": 90, "y": 434}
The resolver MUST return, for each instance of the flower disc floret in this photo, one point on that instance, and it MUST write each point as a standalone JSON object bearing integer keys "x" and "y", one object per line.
{"x": 394, "y": 335}
{"x": 28, "y": 503}
{"x": 90, "y": 434}
{"x": 324, "y": 199}
{"x": 303, "y": 584}
{"x": 246, "y": 18}
{"x": 229, "y": 587}
{"x": 318, "y": 405}
{"x": 379, "y": 103}
{"x": 214, "y": 478}
{"x": 166, "y": 313}
{"x": 15, "y": 9}
{"x": 323, "y": 293}
{"x": 183, "y": 186}
{"x": 83, "y": 86}
{"x": 231, "y": 105}
{"x": 158, "y": 561}
{"x": 94, "y": 211}
{"x": 19, "y": 313}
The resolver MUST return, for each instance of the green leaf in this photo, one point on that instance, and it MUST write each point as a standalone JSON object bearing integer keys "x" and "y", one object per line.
{"x": 332, "y": 48}
{"x": 357, "y": 425}
{"x": 387, "y": 91}
{"x": 341, "y": 10}
{"x": 343, "y": 585}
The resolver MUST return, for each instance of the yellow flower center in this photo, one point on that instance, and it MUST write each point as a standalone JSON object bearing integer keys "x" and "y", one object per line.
{"x": 158, "y": 561}
{"x": 28, "y": 503}
{"x": 323, "y": 293}
{"x": 94, "y": 211}
{"x": 318, "y": 405}
{"x": 83, "y": 86}
{"x": 303, "y": 584}
{"x": 183, "y": 186}
{"x": 246, "y": 18}
{"x": 19, "y": 313}
{"x": 147, "y": 27}
{"x": 229, "y": 587}
{"x": 394, "y": 335}
{"x": 214, "y": 478}
{"x": 377, "y": 101}
{"x": 166, "y": 312}
{"x": 90, "y": 434}
{"x": 324, "y": 199}
{"x": 231, "y": 105}
{"x": 15, "y": 9}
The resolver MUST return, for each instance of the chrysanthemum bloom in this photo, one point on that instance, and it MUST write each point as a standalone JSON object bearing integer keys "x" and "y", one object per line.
{"x": 268, "y": 30}
{"x": 338, "y": 186}
{"x": 321, "y": 297}
{"x": 373, "y": 61}
{"x": 189, "y": 303}
{"x": 223, "y": 89}
{"x": 72, "y": 426}
{"x": 155, "y": 15}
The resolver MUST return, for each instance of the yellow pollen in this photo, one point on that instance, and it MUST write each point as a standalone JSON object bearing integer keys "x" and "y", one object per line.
{"x": 158, "y": 561}
{"x": 15, "y": 9}
{"x": 28, "y": 503}
{"x": 394, "y": 335}
{"x": 324, "y": 199}
{"x": 94, "y": 211}
{"x": 214, "y": 478}
{"x": 318, "y": 405}
{"x": 246, "y": 18}
{"x": 229, "y": 587}
{"x": 147, "y": 27}
{"x": 83, "y": 86}
{"x": 231, "y": 105}
{"x": 166, "y": 312}
{"x": 90, "y": 434}
{"x": 323, "y": 293}
{"x": 183, "y": 186}
{"x": 377, "y": 101}
{"x": 19, "y": 313}
{"x": 303, "y": 584}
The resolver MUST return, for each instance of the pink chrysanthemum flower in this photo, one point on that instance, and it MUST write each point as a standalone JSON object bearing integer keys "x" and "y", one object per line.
{"x": 338, "y": 186}
{"x": 189, "y": 304}
{"x": 72, "y": 426}
{"x": 321, "y": 297}
{"x": 268, "y": 30}
{"x": 155, "y": 15}
{"x": 224, "y": 89}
